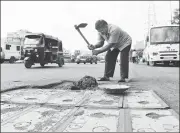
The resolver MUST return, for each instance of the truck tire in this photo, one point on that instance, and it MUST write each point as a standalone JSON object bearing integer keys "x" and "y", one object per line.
{"x": 152, "y": 63}
{"x": 42, "y": 64}
{"x": 2, "y": 61}
{"x": 59, "y": 64}
{"x": 147, "y": 63}
{"x": 12, "y": 59}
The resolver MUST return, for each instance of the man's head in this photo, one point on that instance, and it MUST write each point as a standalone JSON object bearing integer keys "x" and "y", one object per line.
{"x": 101, "y": 26}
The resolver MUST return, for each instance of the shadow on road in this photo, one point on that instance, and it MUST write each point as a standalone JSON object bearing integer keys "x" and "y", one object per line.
{"x": 48, "y": 67}
{"x": 162, "y": 65}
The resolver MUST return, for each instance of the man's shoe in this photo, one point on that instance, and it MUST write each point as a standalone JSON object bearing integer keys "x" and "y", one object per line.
{"x": 104, "y": 79}
{"x": 122, "y": 80}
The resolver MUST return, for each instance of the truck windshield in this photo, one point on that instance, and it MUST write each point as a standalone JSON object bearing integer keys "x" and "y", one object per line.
{"x": 164, "y": 35}
{"x": 32, "y": 39}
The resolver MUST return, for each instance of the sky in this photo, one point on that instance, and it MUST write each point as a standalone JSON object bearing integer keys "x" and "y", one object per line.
{"x": 57, "y": 18}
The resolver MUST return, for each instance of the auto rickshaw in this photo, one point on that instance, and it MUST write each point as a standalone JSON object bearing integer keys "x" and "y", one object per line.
{"x": 43, "y": 49}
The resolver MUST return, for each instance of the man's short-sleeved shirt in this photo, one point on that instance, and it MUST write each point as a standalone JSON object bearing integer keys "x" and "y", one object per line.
{"x": 117, "y": 36}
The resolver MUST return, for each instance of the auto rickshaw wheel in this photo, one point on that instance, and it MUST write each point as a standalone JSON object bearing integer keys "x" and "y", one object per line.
{"x": 42, "y": 64}
{"x": 59, "y": 64}
{"x": 27, "y": 64}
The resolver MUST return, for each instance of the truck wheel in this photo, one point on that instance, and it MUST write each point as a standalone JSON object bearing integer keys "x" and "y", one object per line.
{"x": 84, "y": 62}
{"x": 59, "y": 64}
{"x": 147, "y": 63}
{"x": 12, "y": 59}
{"x": 27, "y": 64}
{"x": 91, "y": 62}
{"x": 77, "y": 62}
{"x": 152, "y": 63}
{"x": 1, "y": 61}
{"x": 42, "y": 64}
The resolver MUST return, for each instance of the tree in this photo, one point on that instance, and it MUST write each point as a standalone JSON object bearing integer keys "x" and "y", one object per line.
{"x": 175, "y": 17}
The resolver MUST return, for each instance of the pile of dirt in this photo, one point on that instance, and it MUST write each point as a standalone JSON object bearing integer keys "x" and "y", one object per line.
{"x": 87, "y": 82}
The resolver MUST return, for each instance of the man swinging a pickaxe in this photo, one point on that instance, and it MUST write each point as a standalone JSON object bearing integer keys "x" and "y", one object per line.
{"x": 118, "y": 41}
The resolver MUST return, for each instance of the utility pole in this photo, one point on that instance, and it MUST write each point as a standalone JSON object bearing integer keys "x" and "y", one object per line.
{"x": 151, "y": 15}
{"x": 170, "y": 11}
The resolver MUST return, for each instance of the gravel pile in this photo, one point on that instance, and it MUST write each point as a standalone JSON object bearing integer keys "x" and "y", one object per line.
{"x": 87, "y": 82}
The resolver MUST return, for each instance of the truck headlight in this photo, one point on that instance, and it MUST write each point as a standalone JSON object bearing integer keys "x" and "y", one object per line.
{"x": 155, "y": 53}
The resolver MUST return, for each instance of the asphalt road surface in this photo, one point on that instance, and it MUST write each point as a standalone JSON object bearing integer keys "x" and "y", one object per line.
{"x": 163, "y": 80}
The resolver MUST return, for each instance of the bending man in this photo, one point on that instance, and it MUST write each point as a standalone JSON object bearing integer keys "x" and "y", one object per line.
{"x": 118, "y": 41}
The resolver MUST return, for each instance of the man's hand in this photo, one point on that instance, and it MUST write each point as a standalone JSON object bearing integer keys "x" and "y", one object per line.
{"x": 91, "y": 47}
{"x": 95, "y": 52}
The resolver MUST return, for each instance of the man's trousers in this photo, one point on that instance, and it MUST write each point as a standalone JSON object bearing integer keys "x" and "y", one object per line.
{"x": 110, "y": 62}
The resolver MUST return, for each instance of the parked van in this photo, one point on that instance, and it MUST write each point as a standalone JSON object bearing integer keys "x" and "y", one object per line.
{"x": 2, "y": 55}
{"x": 12, "y": 52}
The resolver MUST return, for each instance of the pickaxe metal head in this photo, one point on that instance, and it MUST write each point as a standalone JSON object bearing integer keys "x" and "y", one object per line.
{"x": 82, "y": 25}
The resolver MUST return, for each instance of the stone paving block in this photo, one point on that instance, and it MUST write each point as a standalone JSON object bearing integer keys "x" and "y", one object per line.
{"x": 9, "y": 110}
{"x": 100, "y": 99}
{"x": 152, "y": 120}
{"x": 70, "y": 98}
{"x": 143, "y": 99}
{"x": 29, "y": 96}
{"x": 92, "y": 120}
{"x": 39, "y": 119}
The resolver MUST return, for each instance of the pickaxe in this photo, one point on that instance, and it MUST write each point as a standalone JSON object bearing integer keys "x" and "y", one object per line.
{"x": 82, "y": 25}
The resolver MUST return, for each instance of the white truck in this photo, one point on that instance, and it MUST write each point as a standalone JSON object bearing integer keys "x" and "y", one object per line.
{"x": 162, "y": 45}
{"x": 12, "y": 49}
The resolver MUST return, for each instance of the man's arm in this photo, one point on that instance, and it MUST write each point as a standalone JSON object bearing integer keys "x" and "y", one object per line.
{"x": 99, "y": 44}
{"x": 106, "y": 48}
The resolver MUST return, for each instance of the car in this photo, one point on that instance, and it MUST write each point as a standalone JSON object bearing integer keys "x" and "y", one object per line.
{"x": 102, "y": 61}
{"x": 81, "y": 59}
{"x": 86, "y": 59}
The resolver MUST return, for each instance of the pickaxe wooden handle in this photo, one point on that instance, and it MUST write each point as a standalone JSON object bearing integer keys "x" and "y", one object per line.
{"x": 77, "y": 28}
